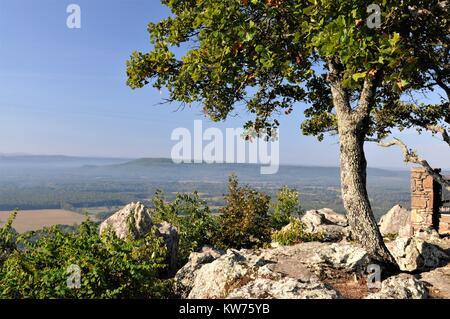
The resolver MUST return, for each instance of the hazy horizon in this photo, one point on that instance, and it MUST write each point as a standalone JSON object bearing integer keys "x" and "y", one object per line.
{"x": 126, "y": 159}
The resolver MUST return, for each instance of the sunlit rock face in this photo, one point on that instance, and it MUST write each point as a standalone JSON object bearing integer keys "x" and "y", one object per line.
{"x": 133, "y": 221}
{"x": 396, "y": 221}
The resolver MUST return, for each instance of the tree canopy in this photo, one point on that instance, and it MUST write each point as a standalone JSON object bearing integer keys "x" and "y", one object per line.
{"x": 270, "y": 54}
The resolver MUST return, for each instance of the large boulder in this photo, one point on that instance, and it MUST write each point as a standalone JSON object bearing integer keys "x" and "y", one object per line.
{"x": 429, "y": 235}
{"x": 397, "y": 221}
{"x": 184, "y": 278}
{"x": 342, "y": 256}
{"x": 133, "y": 221}
{"x": 232, "y": 270}
{"x": 438, "y": 282}
{"x": 402, "y": 286}
{"x": 332, "y": 225}
{"x": 415, "y": 254}
{"x": 319, "y": 256}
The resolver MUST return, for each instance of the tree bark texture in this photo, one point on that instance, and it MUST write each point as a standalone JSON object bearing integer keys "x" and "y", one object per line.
{"x": 353, "y": 125}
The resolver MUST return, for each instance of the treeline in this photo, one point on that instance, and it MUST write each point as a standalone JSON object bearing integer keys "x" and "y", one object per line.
{"x": 48, "y": 198}
{"x": 80, "y": 195}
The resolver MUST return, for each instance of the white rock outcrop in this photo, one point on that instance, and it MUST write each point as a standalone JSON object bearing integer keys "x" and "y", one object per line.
{"x": 402, "y": 286}
{"x": 415, "y": 254}
{"x": 332, "y": 225}
{"x": 283, "y": 272}
{"x": 309, "y": 270}
{"x": 184, "y": 278}
{"x": 285, "y": 288}
{"x": 342, "y": 256}
{"x": 232, "y": 270}
{"x": 397, "y": 221}
{"x": 133, "y": 220}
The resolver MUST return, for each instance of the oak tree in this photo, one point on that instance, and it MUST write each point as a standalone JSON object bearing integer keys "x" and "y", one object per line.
{"x": 424, "y": 105}
{"x": 274, "y": 55}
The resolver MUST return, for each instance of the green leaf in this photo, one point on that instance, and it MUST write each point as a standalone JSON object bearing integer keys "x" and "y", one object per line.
{"x": 259, "y": 48}
{"x": 358, "y": 76}
{"x": 395, "y": 38}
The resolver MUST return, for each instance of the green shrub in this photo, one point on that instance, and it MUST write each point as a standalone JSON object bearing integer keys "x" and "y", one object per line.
{"x": 7, "y": 238}
{"x": 163, "y": 210}
{"x": 294, "y": 233}
{"x": 287, "y": 205}
{"x": 110, "y": 267}
{"x": 244, "y": 221}
{"x": 193, "y": 219}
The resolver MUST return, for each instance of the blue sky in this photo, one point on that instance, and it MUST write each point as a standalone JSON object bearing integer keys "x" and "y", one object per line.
{"x": 63, "y": 91}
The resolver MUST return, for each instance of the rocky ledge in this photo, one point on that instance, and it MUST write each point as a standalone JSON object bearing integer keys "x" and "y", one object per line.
{"x": 304, "y": 271}
{"x": 332, "y": 269}
{"x": 321, "y": 270}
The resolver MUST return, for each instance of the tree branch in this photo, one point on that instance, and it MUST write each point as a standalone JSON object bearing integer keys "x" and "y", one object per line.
{"x": 442, "y": 131}
{"x": 442, "y": 85}
{"x": 339, "y": 93}
{"x": 411, "y": 156}
{"x": 367, "y": 97}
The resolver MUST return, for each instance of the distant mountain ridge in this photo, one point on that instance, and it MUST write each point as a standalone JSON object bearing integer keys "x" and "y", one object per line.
{"x": 149, "y": 161}
{"x": 95, "y": 161}
{"x": 26, "y": 157}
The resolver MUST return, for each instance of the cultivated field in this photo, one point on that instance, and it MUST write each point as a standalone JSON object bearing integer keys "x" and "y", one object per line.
{"x": 27, "y": 220}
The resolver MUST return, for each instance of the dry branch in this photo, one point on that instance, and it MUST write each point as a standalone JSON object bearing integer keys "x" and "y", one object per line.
{"x": 410, "y": 156}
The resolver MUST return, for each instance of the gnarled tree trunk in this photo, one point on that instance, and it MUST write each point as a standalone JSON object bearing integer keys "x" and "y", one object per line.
{"x": 355, "y": 197}
{"x": 353, "y": 125}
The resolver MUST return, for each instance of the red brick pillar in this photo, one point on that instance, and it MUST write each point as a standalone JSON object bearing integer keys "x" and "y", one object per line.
{"x": 423, "y": 200}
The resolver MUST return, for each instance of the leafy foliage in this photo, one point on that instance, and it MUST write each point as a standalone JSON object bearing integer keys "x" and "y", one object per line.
{"x": 287, "y": 204}
{"x": 295, "y": 233}
{"x": 426, "y": 37}
{"x": 272, "y": 54}
{"x": 110, "y": 267}
{"x": 7, "y": 238}
{"x": 244, "y": 221}
{"x": 193, "y": 219}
